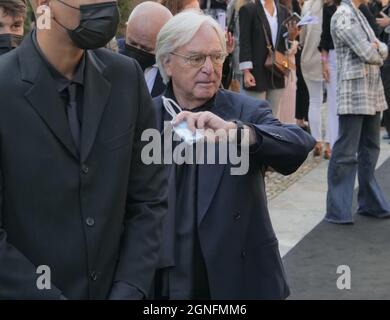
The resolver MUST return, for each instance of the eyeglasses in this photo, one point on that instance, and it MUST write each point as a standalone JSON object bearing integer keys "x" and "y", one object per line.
{"x": 198, "y": 60}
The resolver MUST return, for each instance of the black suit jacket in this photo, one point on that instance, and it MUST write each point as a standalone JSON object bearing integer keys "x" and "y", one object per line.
{"x": 158, "y": 86}
{"x": 253, "y": 45}
{"x": 94, "y": 219}
{"x": 235, "y": 232}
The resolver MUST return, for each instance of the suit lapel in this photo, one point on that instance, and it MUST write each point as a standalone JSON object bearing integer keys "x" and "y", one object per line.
{"x": 158, "y": 108}
{"x": 158, "y": 86}
{"x": 280, "y": 22}
{"x": 210, "y": 175}
{"x": 263, "y": 20}
{"x": 43, "y": 96}
{"x": 96, "y": 93}
{"x": 157, "y": 103}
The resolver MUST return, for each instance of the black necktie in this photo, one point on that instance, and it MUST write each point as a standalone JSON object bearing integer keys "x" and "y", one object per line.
{"x": 73, "y": 120}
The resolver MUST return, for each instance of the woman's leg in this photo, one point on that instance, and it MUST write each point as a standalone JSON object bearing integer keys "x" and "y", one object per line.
{"x": 333, "y": 119}
{"x": 315, "y": 97}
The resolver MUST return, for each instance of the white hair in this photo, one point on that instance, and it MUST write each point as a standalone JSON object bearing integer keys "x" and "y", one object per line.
{"x": 178, "y": 32}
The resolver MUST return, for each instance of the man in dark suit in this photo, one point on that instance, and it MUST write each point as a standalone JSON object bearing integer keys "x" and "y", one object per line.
{"x": 76, "y": 199}
{"x": 218, "y": 240}
{"x": 145, "y": 22}
{"x": 12, "y": 15}
{"x": 255, "y": 17}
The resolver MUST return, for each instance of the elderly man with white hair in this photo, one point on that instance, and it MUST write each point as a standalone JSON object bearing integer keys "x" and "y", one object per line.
{"x": 145, "y": 22}
{"x": 218, "y": 241}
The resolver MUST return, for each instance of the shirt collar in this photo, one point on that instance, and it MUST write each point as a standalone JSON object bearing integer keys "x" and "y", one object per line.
{"x": 61, "y": 81}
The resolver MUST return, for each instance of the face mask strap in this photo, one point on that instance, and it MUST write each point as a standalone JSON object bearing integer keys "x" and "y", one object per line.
{"x": 60, "y": 24}
{"x": 169, "y": 105}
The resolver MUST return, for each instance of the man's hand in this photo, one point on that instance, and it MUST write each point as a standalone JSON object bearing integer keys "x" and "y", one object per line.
{"x": 215, "y": 128}
{"x": 249, "y": 79}
{"x": 325, "y": 70}
{"x": 384, "y": 21}
{"x": 293, "y": 30}
{"x": 203, "y": 120}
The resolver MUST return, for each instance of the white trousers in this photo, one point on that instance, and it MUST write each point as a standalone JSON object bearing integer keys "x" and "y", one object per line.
{"x": 315, "y": 102}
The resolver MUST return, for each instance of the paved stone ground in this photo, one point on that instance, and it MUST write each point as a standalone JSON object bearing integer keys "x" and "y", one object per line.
{"x": 276, "y": 183}
{"x": 312, "y": 265}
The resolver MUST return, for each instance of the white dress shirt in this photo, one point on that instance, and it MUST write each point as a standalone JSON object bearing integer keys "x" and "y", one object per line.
{"x": 273, "y": 23}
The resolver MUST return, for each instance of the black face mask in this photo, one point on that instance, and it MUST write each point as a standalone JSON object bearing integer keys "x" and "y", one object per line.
{"x": 9, "y": 41}
{"x": 144, "y": 58}
{"x": 98, "y": 24}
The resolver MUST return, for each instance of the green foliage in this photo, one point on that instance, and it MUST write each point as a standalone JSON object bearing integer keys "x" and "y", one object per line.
{"x": 125, "y": 7}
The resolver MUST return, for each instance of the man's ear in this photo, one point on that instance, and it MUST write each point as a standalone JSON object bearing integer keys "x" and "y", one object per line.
{"x": 168, "y": 66}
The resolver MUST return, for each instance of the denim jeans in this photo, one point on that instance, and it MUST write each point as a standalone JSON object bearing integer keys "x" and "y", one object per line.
{"x": 356, "y": 149}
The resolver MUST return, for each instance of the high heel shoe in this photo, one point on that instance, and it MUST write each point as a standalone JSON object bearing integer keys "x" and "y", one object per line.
{"x": 327, "y": 152}
{"x": 317, "y": 149}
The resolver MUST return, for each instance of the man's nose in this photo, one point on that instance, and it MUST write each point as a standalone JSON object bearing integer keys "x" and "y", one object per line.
{"x": 208, "y": 66}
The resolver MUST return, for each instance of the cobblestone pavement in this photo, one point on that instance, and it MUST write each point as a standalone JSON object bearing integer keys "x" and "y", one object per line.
{"x": 276, "y": 183}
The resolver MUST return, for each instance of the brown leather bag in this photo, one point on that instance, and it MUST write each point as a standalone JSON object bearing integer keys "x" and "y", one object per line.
{"x": 276, "y": 61}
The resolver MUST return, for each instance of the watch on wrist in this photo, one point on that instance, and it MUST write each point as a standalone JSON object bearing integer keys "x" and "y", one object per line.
{"x": 240, "y": 130}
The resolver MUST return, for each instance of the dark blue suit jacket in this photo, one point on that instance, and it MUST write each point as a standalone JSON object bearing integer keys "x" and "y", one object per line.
{"x": 236, "y": 236}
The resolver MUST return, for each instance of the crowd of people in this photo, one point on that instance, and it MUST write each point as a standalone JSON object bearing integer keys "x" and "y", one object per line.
{"x": 75, "y": 192}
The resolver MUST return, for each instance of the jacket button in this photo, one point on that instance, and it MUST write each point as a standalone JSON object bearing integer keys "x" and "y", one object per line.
{"x": 243, "y": 254}
{"x": 94, "y": 275}
{"x": 237, "y": 216}
{"x": 90, "y": 221}
{"x": 85, "y": 168}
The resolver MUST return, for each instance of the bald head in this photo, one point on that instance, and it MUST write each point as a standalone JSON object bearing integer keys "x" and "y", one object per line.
{"x": 145, "y": 22}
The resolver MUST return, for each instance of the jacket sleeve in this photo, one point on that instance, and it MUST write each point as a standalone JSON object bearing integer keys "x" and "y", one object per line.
{"x": 383, "y": 50}
{"x": 18, "y": 275}
{"x": 245, "y": 20}
{"x": 351, "y": 33}
{"x": 280, "y": 146}
{"x": 326, "y": 38}
{"x": 145, "y": 208}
